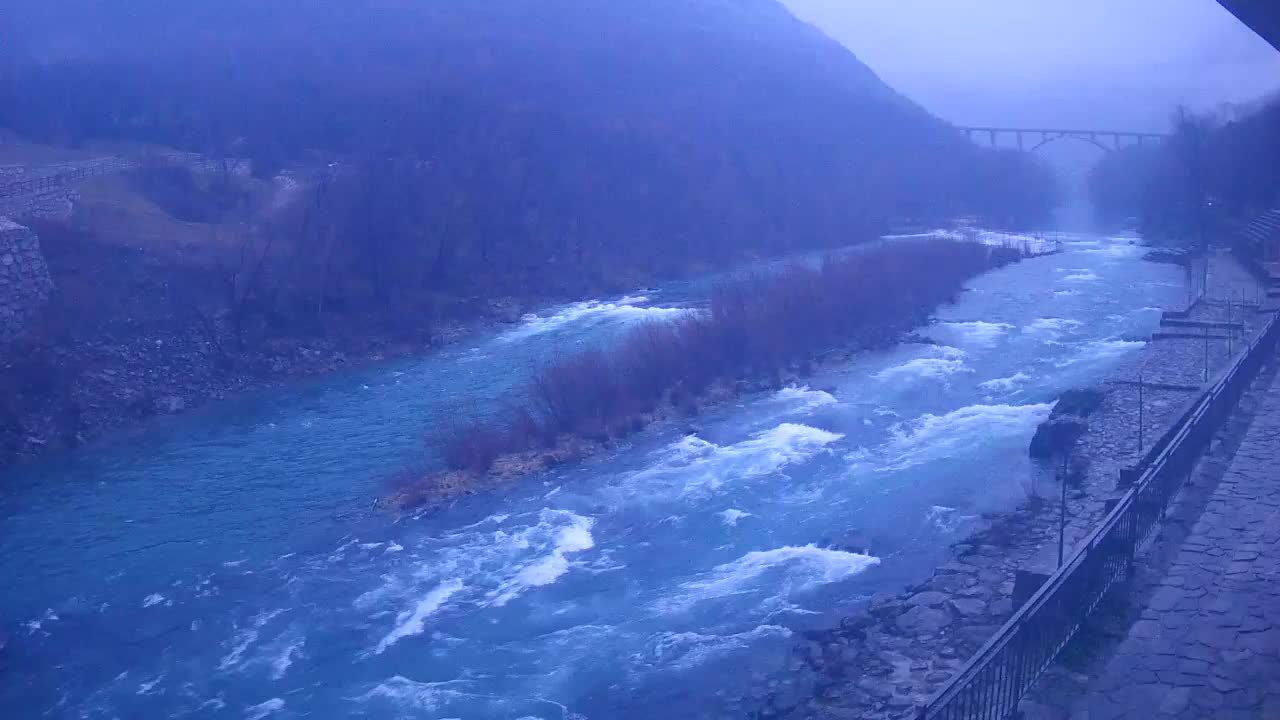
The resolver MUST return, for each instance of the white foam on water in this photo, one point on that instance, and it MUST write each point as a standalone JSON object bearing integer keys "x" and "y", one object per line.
{"x": 805, "y": 398}
{"x": 243, "y": 638}
{"x": 1103, "y": 351}
{"x": 687, "y": 650}
{"x": 413, "y": 622}
{"x": 938, "y": 233}
{"x": 1005, "y": 384}
{"x": 1116, "y": 247}
{"x": 944, "y": 518}
{"x": 486, "y": 564}
{"x": 693, "y": 466}
{"x": 993, "y": 238}
{"x": 1034, "y": 243}
{"x": 390, "y": 586}
{"x": 801, "y": 568}
{"x": 576, "y": 537}
{"x": 263, "y": 709}
{"x": 626, "y": 309}
{"x": 394, "y": 547}
{"x": 239, "y": 643}
{"x": 858, "y": 458}
{"x": 943, "y": 365}
{"x": 1066, "y": 293}
{"x": 979, "y": 332}
{"x": 1052, "y": 325}
{"x": 731, "y": 516}
{"x": 152, "y": 599}
{"x": 284, "y": 658}
{"x": 932, "y": 437}
{"x": 149, "y": 688}
{"x": 413, "y": 695}
{"x": 1084, "y": 276}
{"x": 34, "y": 626}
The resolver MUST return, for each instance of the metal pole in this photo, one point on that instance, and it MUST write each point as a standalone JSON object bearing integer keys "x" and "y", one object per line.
{"x": 1231, "y": 333}
{"x": 1206, "y": 353}
{"x": 1062, "y": 515}
{"x": 1141, "y": 408}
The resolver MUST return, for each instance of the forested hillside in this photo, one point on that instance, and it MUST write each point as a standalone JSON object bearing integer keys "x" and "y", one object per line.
{"x": 1231, "y": 165}
{"x": 605, "y": 138}
{"x": 422, "y": 165}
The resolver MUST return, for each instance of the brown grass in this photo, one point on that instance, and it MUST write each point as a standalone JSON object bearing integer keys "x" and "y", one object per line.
{"x": 754, "y": 325}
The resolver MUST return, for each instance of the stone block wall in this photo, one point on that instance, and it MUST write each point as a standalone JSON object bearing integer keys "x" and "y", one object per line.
{"x": 24, "y": 280}
{"x": 50, "y": 206}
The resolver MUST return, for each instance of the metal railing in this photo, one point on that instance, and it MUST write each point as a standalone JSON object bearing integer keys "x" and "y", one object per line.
{"x": 994, "y": 680}
{"x": 55, "y": 178}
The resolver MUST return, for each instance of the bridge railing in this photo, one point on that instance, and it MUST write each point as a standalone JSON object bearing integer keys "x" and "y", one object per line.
{"x": 994, "y": 680}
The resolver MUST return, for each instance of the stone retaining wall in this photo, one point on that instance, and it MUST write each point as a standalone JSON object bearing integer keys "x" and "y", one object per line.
{"x": 24, "y": 280}
{"x": 49, "y": 206}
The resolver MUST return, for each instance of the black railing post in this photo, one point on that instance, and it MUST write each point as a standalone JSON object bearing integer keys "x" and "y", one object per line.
{"x": 1141, "y": 407}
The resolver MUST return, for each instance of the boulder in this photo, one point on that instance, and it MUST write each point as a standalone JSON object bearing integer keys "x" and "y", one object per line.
{"x": 1059, "y": 433}
{"x": 1081, "y": 402}
{"x": 928, "y": 598}
{"x": 968, "y": 607}
{"x": 923, "y": 620}
{"x": 1056, "y": 436}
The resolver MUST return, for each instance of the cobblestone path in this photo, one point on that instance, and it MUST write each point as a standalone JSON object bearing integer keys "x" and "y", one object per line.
{"x": 1205, "y": 635}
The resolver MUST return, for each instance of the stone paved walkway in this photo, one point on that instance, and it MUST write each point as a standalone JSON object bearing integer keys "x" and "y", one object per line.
{"x": 1205, "y": 635}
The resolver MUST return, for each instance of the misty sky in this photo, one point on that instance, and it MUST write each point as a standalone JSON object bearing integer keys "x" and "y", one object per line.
{"x": 1105, "y": 63}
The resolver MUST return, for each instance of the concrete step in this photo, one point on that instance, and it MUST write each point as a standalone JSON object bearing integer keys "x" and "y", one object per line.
{"x": 1187, "y": 336}
{"x": 1216, "y": 325}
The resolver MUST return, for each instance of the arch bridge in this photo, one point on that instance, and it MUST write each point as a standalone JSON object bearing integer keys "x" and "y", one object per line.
{"x": 1035, "y": 138}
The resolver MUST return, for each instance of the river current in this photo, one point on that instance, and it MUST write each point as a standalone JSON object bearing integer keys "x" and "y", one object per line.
{"x": 228, "y": 563}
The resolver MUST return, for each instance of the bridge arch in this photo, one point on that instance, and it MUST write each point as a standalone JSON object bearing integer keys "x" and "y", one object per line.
{"x": 1032, "y": 139}
{"x": 1092, "y": 141}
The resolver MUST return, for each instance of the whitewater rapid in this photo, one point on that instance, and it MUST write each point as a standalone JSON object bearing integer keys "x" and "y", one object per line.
{"x": 227, "y": 566}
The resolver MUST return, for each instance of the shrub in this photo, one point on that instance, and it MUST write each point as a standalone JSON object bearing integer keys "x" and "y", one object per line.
{"x": 756, "y": 323}
{"x": 579, "y": 392}
{"x": 472, "y": 446}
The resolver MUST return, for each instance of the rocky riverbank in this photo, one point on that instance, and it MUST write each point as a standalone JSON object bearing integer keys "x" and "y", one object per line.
{"x": 128, "y": 337}
{"x": 899, "y": 650}
{"x": 129, "y": 382}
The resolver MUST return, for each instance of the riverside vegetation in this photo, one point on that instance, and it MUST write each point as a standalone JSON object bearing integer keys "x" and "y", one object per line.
{"x": 1216, "y": 171}
{"x": 510, "y": 155}
{"x": 754, "y": 326}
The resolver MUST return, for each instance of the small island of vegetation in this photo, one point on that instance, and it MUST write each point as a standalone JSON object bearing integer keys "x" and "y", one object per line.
{"x": 754, "y": 326}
